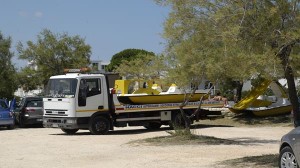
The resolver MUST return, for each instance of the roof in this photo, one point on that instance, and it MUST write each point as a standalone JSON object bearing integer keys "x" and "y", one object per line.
{"x": 74, "y": 75}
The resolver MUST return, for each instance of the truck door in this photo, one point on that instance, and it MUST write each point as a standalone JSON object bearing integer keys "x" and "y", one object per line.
{"x": 90, "y": 96}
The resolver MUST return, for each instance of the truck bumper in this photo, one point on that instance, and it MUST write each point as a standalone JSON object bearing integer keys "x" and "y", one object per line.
{"x": 66, "y": 123}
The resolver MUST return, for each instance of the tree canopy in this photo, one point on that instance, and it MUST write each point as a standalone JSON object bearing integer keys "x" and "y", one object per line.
{"x": 54, "y": 52}
{"x": 128, "y": 55}
{"x": 235, "y": 39}
{"x": 8, "y": 80}
{"x": 143, "y": 67}
{"x": 29, "y": 78}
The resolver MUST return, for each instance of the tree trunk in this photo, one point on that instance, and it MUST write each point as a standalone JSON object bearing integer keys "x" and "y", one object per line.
{"x": 288, "y": 72}
{"x": 239, "y": 88}
{"x": 186, "y": 119}
{"x": 198, "y": 110}
{"x": 293, "y": 94}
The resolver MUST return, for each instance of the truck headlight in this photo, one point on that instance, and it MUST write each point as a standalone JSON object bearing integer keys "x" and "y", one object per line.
{"x": 71, "y": 121}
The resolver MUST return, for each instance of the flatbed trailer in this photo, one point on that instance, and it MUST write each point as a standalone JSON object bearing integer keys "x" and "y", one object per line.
{"x": 86, "y": 102}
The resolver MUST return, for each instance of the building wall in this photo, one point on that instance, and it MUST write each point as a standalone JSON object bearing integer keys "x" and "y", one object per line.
{"x": 100, "y": 65}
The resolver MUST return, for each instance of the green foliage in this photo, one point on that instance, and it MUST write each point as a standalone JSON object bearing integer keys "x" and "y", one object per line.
{"x": 29, "y": 78}
{"x": 127, "y": 55}
{"x": 181, "y": 132}
{"x": 205, "y": 42}
{"x": 8, "y": 80}
{"x": 227, "y": 87}
{"x": 54, "y": 52}
{"x": 135, "y": 68}
{"x": 223, "y": 39}
{"x": 144, "y": 67}
{"x": 229, "y": 39}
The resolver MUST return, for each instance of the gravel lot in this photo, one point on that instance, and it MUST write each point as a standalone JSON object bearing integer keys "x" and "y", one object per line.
{"x": 44, "y": 147}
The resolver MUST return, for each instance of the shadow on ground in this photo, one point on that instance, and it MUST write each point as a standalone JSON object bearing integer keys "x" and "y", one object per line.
{"x": 250, "y": 119}
{"x": 263, "y": 161}
{"x": 140, "y": 130}
{"x": 33, "y": 126}
{"x": 200, "y": 139}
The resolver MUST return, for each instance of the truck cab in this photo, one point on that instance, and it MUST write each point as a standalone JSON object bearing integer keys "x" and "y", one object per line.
{"x": 71, "y": 99}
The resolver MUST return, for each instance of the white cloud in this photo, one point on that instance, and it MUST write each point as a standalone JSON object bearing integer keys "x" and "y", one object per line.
{"x": 38, "y": 14}
{"x": 26, "y": 14}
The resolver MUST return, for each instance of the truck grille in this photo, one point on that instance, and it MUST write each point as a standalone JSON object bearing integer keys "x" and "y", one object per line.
{"x": 56, "y": 121}
{"x": 51, "y": 112}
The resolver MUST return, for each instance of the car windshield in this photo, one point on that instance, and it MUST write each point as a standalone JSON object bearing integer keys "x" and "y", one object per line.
{"x": 3, "y": 105}
{"x": 61, "y": 88}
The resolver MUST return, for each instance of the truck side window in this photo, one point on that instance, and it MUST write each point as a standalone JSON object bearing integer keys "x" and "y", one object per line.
{"x": 94, "y": 87}
{"x": 82, "y": 94}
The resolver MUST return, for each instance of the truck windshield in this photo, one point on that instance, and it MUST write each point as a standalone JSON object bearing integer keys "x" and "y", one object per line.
{"x": 61, "y": 88}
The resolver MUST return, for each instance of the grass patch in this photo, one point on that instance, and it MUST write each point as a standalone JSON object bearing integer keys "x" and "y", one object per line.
{"x": 181, "y": 137}
{"x": 262, "y": 161}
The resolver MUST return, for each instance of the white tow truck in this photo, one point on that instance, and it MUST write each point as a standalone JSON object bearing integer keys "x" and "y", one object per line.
{"x": 85, "y": 101}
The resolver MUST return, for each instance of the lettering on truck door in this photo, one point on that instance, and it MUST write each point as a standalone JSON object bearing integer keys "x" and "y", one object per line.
{"x": 90, "y": 97}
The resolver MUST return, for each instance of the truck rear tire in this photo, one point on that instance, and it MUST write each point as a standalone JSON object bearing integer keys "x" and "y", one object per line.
{"x": 177, "y": 122}
{"x": 69, "y": 131}
{"x": 153, "y": 125}
{"x": 99, "y": 125}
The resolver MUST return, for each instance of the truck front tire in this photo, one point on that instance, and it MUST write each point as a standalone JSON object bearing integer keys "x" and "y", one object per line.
{"x": 69, "y": 131}
{"x": 99, "y": 125}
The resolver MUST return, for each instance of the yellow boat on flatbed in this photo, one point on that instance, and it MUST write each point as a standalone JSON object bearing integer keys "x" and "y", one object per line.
{"x": 156, "y": 99}
{"x": 153, "y": 96}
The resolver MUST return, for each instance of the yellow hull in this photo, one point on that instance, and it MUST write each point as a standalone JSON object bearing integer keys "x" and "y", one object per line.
{"x": 273, "y": 111}
{"x": 157, "y": 99}
{"x": 236, "y": 111}
{"x": 265, "y": 112}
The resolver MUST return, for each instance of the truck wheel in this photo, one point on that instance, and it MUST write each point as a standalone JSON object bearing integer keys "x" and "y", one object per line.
{"x": 99, "y": 125}
{"x": 69, "y": 131}
{"x": 153, "y": 125}
{"x": 178, "y": 122}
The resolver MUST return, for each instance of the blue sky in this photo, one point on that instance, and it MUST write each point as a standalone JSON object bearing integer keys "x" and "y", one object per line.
{"x": 109, "y": 26}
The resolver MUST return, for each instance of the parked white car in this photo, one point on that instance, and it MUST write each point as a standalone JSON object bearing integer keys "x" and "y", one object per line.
{"x": 289, "y": 156}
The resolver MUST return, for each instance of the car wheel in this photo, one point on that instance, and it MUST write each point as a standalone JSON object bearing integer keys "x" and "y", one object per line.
{"x": 21, "y": 123}
{"x": 69, "y": 131}
{"x": 287, "y": 158}
{"x": 99, "y": 125}
{"x": 10, "y": 127}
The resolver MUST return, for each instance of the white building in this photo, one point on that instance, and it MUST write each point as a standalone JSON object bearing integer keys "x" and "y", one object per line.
{"x": 99, "y": 65}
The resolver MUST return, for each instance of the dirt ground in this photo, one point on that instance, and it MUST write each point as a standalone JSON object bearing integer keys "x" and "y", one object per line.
{"x": 48, "y": 148}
